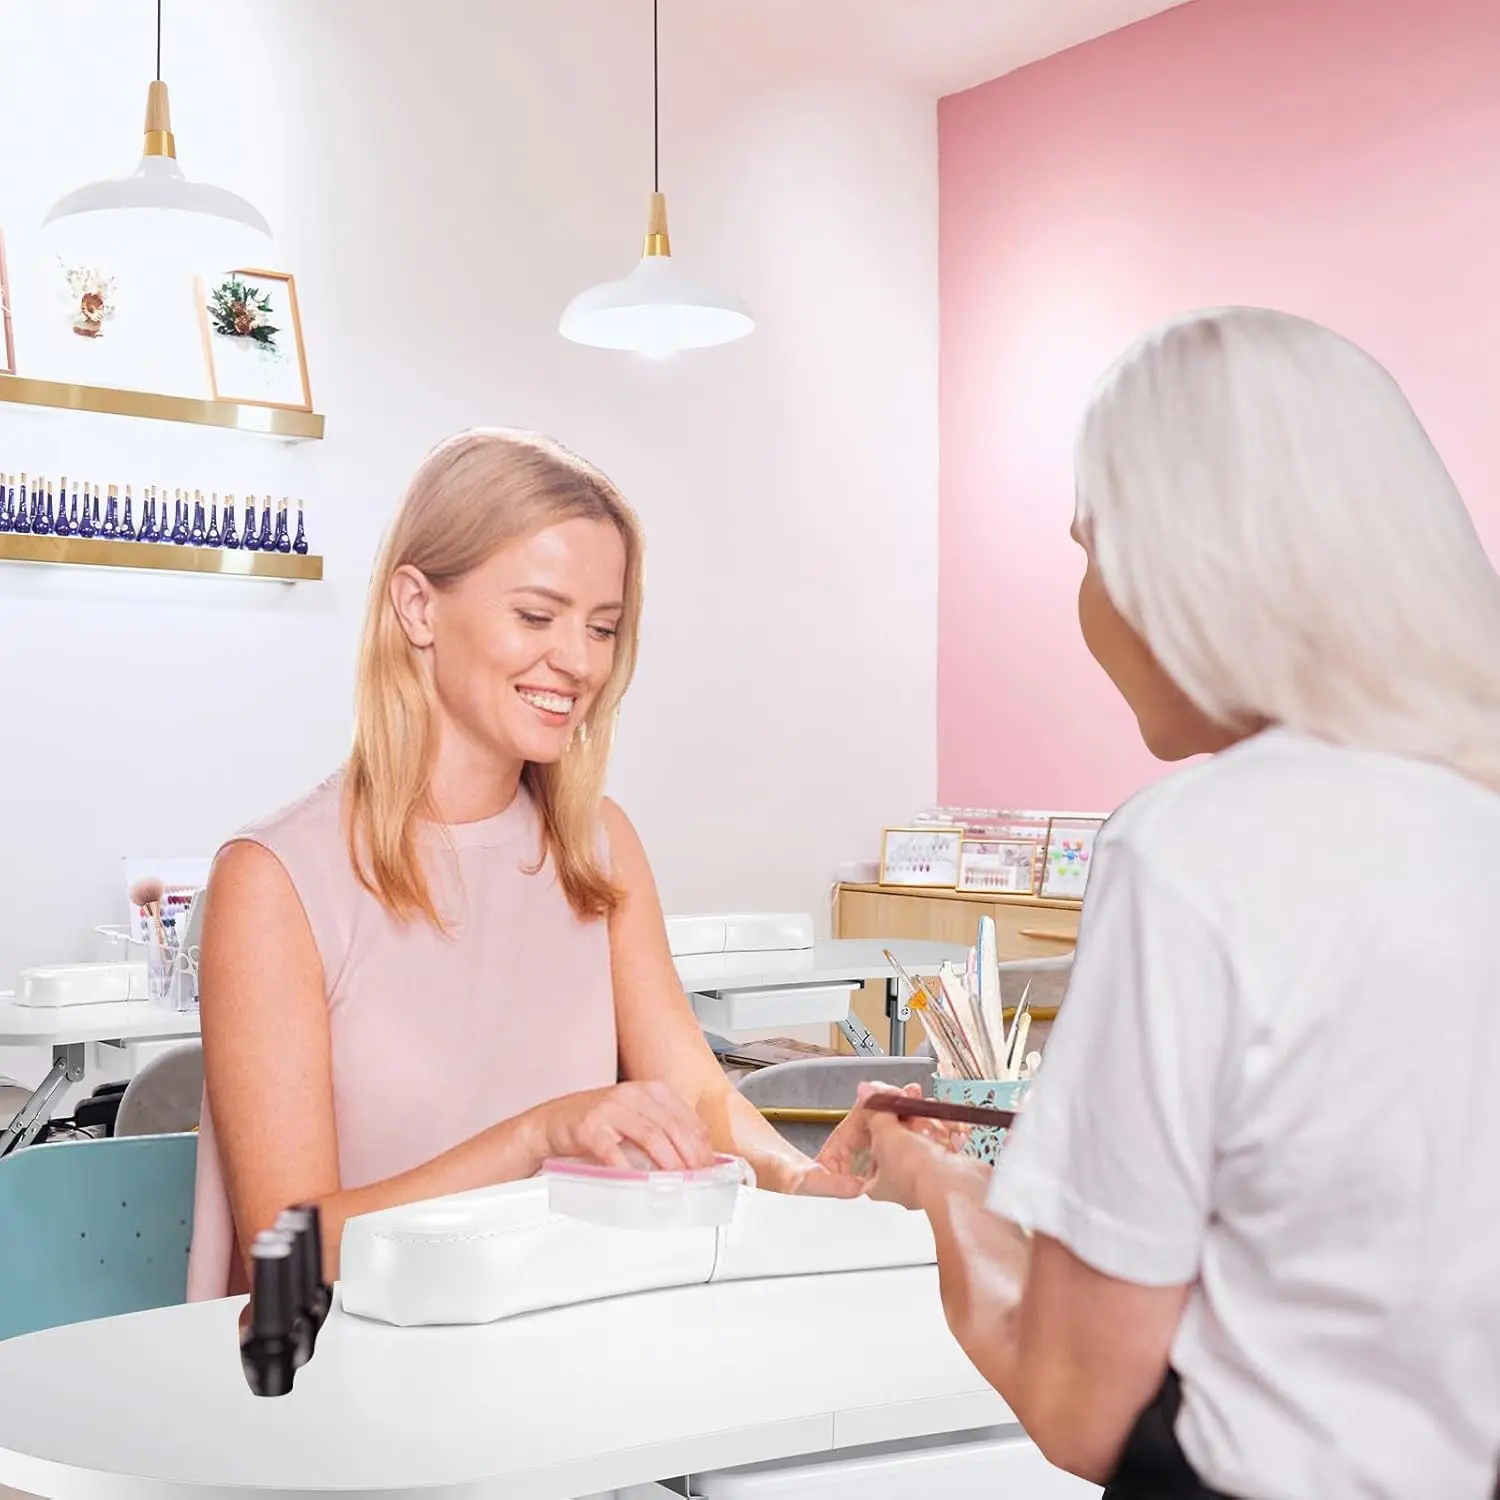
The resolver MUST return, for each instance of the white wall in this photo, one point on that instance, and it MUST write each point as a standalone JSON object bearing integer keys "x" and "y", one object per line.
{"x": 442, "y": 176}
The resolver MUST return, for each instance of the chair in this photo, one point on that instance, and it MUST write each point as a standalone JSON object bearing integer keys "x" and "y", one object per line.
{"x": 93, "y": 1229}
{"x": 166, "y": 1096}
{"x": 789, "y": 1092}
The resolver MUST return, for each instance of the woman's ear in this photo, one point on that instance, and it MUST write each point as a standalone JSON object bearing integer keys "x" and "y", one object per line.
{"x": 412, "y": 599}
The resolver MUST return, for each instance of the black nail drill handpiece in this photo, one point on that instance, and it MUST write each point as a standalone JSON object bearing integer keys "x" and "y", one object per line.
{"x": 268, "y": 1350}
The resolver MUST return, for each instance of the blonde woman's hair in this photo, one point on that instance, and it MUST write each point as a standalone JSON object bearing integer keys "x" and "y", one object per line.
{"x": 1267, "y": 512}
{"x": 474, "y": 494}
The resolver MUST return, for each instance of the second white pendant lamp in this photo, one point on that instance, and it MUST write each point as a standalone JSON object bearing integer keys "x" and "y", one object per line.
{"x": 657, "y": 309}
{"x": 158, "y": 214}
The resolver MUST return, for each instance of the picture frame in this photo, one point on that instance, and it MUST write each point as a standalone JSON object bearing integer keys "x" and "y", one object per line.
{"x": 252, "y": 339}
{"x": 7, "y": 331}
{"x": 1068, "y": 857}
{"x": 921, "y": 856}
{"x": 998, "y": 867}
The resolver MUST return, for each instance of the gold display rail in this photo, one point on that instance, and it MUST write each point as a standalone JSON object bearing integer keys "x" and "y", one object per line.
{"x": 159, "y": 557}
{"x": 948, "y": 893}
{"x": 238, "y": 416}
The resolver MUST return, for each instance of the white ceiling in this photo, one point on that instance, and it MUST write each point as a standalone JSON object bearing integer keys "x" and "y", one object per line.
{"x": 939, "y": 46}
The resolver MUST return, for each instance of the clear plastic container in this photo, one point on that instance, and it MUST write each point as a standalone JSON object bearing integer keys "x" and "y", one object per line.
{"x": 643, "y": 1197}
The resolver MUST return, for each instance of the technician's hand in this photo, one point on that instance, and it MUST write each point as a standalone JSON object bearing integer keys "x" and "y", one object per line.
{"x": 619, "y": 1125}
{"x": 906, "y": 1162}
{"x": 843, "y": 1167}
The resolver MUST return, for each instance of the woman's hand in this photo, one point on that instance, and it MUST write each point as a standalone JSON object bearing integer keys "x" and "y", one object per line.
{"x": 604, "y": 1125}
{"x": 907, "y": 1162}
{"x": 844, "y": 1165}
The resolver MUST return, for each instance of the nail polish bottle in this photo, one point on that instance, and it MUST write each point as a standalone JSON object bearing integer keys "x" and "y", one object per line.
{"x": 96, "y": 509}
{"x": 111, "y": 526}
{"x": 86, "y": 527}
{"x": 74, "y": 525}
{"x": 22, "y": 522}
{"x": 198, "y": 535}
{"x": 231, "y": 536}
{"x": 41, "y": 512}
{"x": 267, "y": 541}
{"x": 212, "y": 538}
{"x": 180, "y": 526}
{"x": 127, "y": 526}
{"x": 300, "y": 545}
{"x": 252, "y": 542}
{"x": 60, "y": 525}
{"x": 4, "y": 504}
{"x": 283, "y": 534}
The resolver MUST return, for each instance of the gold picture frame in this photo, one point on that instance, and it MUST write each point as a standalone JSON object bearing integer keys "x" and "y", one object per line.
{"x": 998, "y": 867}
{"x": 242, "y": 372}
{"x": 925, "y": 856}
{"x": 7, "y": 331}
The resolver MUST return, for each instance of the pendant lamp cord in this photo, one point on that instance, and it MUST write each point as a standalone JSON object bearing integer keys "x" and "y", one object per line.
{"x": 158, "y": 41}
{"x": 655, "y": 102}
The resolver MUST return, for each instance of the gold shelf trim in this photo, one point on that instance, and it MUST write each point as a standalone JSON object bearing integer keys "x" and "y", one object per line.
{"x": 238, "y": 416}
{"x": 159, "y": 557}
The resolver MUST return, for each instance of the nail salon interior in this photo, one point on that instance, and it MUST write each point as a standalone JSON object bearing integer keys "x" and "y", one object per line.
{"x": 551, "y": 773}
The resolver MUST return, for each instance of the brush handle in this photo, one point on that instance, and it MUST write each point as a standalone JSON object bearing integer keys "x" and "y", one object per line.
{"x": 907, "y": 1107}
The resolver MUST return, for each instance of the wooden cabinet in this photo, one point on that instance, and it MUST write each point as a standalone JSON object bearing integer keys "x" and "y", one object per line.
{"x": 1025, "y": 927}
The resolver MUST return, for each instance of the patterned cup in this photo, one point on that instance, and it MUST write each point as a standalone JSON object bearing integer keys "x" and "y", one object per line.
{"x": 984, "y": 1140}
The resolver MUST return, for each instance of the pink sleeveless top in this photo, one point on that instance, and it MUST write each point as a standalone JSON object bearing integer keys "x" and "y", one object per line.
{"x": 435, "y": 1037}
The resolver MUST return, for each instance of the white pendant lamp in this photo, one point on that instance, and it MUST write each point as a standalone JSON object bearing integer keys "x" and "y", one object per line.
{"x": 657, "y": 309}
{"x": 158, "y": 214}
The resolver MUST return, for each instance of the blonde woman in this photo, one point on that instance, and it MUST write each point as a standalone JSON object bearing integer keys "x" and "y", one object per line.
{"x": 1245, "y": 1238}
{"x": 434, "y": 971}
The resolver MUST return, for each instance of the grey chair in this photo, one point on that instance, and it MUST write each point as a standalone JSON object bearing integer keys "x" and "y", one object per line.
{"x": 166, "y": 1096}
{"x": 827, "y": 1086}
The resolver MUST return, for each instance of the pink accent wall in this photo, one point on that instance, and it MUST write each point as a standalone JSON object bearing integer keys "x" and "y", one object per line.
{"x": 1334, "y": 158}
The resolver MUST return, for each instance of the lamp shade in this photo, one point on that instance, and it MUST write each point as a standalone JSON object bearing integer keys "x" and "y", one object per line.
{"x": 657, "y": 309}
{"x": 158, "y": 214}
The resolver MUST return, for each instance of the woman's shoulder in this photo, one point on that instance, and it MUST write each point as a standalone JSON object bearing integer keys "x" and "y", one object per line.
{"x": 312, "y": 823}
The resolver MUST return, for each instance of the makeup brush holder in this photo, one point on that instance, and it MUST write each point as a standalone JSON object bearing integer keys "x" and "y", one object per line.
{"x": 171, "y": 976}
{"x": 984, "y": 1141}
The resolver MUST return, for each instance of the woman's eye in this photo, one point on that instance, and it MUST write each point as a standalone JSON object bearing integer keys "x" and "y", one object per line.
{"x": 534, "y": 619}
{"x": 606, "y": 632}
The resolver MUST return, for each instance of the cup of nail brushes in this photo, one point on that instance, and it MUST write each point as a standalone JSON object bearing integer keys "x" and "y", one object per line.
{"x": 985, "y": 1141}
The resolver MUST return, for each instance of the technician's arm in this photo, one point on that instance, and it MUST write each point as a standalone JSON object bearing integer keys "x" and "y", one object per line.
{"x": 1075, "y": 1354}
{"x": 268, "y": 1069}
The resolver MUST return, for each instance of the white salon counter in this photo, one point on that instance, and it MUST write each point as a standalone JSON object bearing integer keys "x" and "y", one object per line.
{"x": 550, "y": 1406}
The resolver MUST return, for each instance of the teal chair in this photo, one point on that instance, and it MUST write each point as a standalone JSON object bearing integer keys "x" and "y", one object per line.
{"x": 89, "y": 1229}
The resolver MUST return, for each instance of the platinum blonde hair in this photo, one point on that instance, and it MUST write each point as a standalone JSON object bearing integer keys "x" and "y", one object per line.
{"x": 1266, "y": 511}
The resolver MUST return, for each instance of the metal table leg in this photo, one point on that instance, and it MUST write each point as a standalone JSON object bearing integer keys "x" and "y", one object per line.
{"x": 898, "y": 1009}
{"x": 859, "y": 1038}
{"x": 67, "y": 1067}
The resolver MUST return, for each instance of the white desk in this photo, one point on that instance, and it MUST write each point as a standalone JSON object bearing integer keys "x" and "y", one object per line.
{"x": 770, "y": 983}
{"x": 551, "y": 1406}
{"x": 67, "y": 1029}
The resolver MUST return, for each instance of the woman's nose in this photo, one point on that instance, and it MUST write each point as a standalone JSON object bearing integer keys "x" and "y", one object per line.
{"x": 570, "y": 653}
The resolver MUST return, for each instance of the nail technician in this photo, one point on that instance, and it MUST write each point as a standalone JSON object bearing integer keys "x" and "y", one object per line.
{"x": 1243, "y": 1240}
{"x": 434, "y": 971}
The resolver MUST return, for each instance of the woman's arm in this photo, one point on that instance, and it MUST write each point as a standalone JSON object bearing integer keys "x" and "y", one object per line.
{"x": 268, "y": 1070}
{"x": 1075, "y": 1354}
{"x": 660, "y": 1037}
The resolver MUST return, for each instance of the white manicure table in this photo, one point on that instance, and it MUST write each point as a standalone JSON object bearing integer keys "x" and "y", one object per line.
{"x": 732, "y": 993}
{"x": 573, "y": 1402}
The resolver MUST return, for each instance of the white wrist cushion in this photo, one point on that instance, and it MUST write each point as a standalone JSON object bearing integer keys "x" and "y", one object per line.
{"x": 482, "y": 1256}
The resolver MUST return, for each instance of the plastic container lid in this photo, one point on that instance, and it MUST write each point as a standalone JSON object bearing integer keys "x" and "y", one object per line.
{"x": 645, "y": 1197}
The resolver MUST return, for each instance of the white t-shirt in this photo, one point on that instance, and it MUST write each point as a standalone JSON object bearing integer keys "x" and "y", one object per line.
{"x": 1277, "y": 1075}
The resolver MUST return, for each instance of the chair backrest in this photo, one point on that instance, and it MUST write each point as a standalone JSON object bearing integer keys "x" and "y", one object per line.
{"x": 166, "y": 1096}
{"x": 1048, "y": 981}
{"x": 94, "y": 1228}
{"x": 826, "y": 1083}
